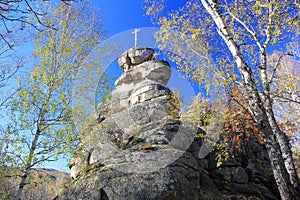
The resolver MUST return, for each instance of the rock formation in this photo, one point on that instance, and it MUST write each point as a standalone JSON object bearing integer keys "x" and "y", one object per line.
{"x": 139, "y": 149}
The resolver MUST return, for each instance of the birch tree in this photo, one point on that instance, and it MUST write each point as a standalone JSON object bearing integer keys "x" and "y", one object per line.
{"x": 42, "y": 126}
{"x": 232, "y": 39}
{"x": 19, "y": 21}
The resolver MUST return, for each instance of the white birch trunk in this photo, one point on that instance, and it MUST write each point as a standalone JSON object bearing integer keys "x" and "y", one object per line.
{"x": 255, "y": 103}
{"x": 283, "y": 142}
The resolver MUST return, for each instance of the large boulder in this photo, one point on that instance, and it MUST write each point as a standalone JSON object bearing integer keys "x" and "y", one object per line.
{"x": 138, "y": 181}
{"x": 139, "y": 148}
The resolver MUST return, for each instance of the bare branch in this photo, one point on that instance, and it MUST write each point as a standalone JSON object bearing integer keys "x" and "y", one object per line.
{"x": 277, "y": 65}
{"x": 286, "y": 98}
{"x": 9, "y": 97}
{"x": 8, "y": 44}
{"x": 37, "y": 15}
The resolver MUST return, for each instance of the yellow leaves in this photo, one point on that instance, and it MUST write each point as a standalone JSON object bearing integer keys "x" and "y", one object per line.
{"x": 194, "y": 36}
{"x": 258, "y": 12}
{"x": 222, "y": 153}
{"x": 78, "y": 47}
{"x": 277, "y": 31}
{"x": 149, "y": 11}
{"x": 174, "y": 104}
{"x": 154, "y": 7}
{"x": 23, "y": 95}
{"x": 33, "y": 75}
{"x": 198, "y": 112}
{"x": 207, "y": 87}
{"x": 195, "y": 33}
{"x": 219, "y": 163}
{"x": 47, "y": 53}
{"x": 186, "y": 44}
{"x": 38, "y": 51}
{"x": 68, "y": 51}
{"x": 55, "y": 13}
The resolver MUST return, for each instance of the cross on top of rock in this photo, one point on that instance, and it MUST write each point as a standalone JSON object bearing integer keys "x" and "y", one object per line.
{"x": 135, "y": 36}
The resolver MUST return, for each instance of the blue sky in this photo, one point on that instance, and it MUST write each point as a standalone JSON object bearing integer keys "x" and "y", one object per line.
{"x": 121, "y": 15}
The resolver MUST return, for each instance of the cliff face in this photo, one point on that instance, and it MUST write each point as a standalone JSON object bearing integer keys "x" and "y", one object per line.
{"x": 138, "y": 148}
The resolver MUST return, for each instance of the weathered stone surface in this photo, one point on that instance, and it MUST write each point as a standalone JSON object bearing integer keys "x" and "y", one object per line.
{"x": 147, "y": 91}
{"x": 240, "y": 175}
{"x": 104, "y": 149}
{"x": 126, "y": 95}
{"x": 172, "y": 181}
{"x": 208, "y": 190}
{"x": 75, "y": 166}
{"x": 123, "y": 98}
{"x": 156, "y": 70}
{"x": 138, "y": 148}
{"x": 135, "y": 56}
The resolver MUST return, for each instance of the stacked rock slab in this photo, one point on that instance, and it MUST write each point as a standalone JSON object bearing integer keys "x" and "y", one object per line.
{"x": 134, "y": 150}
{"x": 135, "y": 147}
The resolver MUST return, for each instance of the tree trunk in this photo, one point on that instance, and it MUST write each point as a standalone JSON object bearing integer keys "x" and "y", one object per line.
{"x": 285, "y": 188}
{"x": 29, "y": 163}
{"x": 279, "y": 172}
{"x": 285, "y": 148}
{"x": 22, "y": 184}
{"x": 282, "y": 139}
{"x": 259, "y": 113}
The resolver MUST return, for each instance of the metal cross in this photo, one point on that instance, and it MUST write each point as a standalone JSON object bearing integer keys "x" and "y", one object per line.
{"x": 135, "y": 36}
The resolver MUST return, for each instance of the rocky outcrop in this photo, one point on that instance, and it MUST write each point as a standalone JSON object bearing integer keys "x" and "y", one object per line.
{"x": 138, "y": 148}
{"x": 135, "y": 56}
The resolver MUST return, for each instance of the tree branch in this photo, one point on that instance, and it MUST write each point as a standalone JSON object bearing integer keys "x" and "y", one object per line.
{"x": 37, "y": 15}
{"x": 8, "y": 44}
{"x": 252, "y": 33}
{"x": 269, "y": 25}
{"x": 277, "y": 65}
{"x": 286, "y": 98}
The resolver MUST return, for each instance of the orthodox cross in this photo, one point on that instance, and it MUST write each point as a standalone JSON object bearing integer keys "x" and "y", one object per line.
{"x": 135, "y": 36}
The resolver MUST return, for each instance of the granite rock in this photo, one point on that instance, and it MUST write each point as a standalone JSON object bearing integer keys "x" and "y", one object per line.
{"x": 139, "y": 148}
{"x": 135, "y": 56}
{"x": 156, "y": 70}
